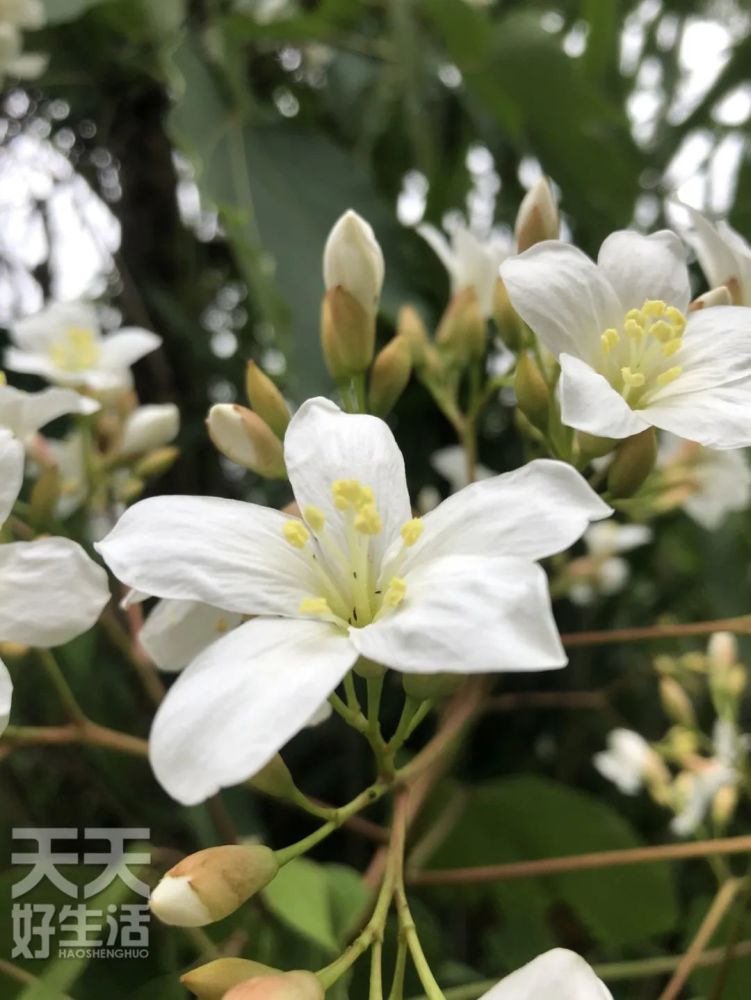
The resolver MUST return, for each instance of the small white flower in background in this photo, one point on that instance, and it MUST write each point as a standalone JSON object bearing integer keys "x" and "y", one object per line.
{"x": 17, "y": 16}
{"x": 698, "y": 788}
{"x": 626, "y": 760}
{"x": 630, "y": 356}
{"x": 357, "y": 576}
{"x": 353, "y": 260}
{"x": 50, "y": 590}
{"x": 471, "y": 262}
{"x": 724, "y": 256}
{"x": 64, "y": 344}
{"x": 719, "y": 481}
{"x": 603, "y": 571}
{"x": 149, "y": 427}
{"x": 556, "y": 975}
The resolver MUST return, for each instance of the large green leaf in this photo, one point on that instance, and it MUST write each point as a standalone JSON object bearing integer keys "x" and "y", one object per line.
{"x": 532, "y": 817}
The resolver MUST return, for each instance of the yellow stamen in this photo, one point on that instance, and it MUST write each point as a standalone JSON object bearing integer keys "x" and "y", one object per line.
{"x": 669, "y": 348}
{"x": 633, "y": 329}
{"x": 76, "y": 350}
{"x": 296, "y": 533}
{"x": 635, "y": 315}
{"x": 662, "y": 330}
{"x": 412, "y": 530}
{"x": 346, "y": 493}
{"x": 368, "y": 520}
{"x": 610, "y": 339}
{"x": 654, "y": 307}
{"x": 634, "y": 380}
{"x": 315, "y": 517}
{"x": 676, "y": 317}
{"x": 665, "y": 378}
{"x": 314, "y": 606}
{"x": 395, "y": 592}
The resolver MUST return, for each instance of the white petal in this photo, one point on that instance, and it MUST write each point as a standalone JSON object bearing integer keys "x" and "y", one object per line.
{"x": 716, "y": 350}
{"x": 6, "y": 696}
{"x": 609, "y": 538}
{"x": 244, "y": 697}
{"x": 149, "y": 427}
{"x": 11, "y": 473}
{"x": 646, "y": 267}
{"x": 322, "y": 444}
{"x": 477, "y": 265}
{"x": 352, "y": 259}
{"x": 589, "y": 403}
{"x": 468, "y": 614}
{"x": 557, "y": 975}
{"x": 440, "y": 246}
{"x": 34, "y": 364}
{"x": 123, "y": 348}
{"x": 25, "y": 412}
{"x": 724, "y": 481}
{"x": 717, "y": 418}
{"x": 533, "y": 512}
{"x": 563, "y": 296}
{"x": 177, "y": 631}
{"x": 222, "y": 552}
{"x": 50, "y": 591}
{"x": 37, "y": 333}
{"x": 723, "y": 260}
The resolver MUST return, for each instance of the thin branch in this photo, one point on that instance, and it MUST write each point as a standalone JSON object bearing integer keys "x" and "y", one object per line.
{"x": 740, "y": 625}
{"x": 88, "y": 733}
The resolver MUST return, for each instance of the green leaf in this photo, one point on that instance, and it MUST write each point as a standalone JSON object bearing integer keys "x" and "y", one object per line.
{"x": 300, "y": 897}
{"x": 526, "y": 818}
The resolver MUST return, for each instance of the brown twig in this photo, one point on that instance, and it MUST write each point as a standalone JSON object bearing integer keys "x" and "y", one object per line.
{"x": 88, "y": 733}
{"x": 596, "y": 700}
{"x": 741, "y": 625}
{"x": 580, "y": 862}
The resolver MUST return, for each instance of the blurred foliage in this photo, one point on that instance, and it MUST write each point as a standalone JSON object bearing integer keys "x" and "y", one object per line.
{"x": 267, "y": 130}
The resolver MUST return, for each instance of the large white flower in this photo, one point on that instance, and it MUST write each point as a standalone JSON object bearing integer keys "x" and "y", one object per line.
{"x": 357, "y": 576}
{"x": 557, "y": 975}
{"x": 724, "y": 256}
{"x": 470, "y": 261}
{"x": 719, "y": 481}
{"x": 64, "y": 344}
{"x": 50, "y": 590}
{"x": 630, "y": 356}
{"x": 625, "y": 761}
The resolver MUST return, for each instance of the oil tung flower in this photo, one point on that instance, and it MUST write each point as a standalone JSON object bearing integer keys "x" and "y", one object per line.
{"x": 626, "y": 760}
{"x": 357, "y": 575}
{"x": 559, "y": 974}
{"x": 713, "y": 484}
{"x": 470, "y": 261}
{"x": 724, "y": 256}
{"x": 630, "y": 355}
{"x": 64, "y": 344}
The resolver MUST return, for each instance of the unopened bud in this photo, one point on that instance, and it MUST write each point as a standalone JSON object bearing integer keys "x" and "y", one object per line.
{"x": 275, "y": 780}
{"x": 347, "y": 334}
{"x": 676, "y": 703}
{"x": 45, "y": 495}
{"x": 657, "y": 777}
{"x": 461, "y": 332}
{"x": 591, "y": 446}
{"x": 722, "y": 650}
{"x": 430, "y": 686}
{"x": 282, "y": 986}
{"x": 130, "y": 490}
{"x": 213, "y": 980}
{"x": 266, "y": 399}
{"x": 634, "y": 459}
{"x": 149, "y": 427}
{"x": 352, "y": 260}
{"x": 719, "y": 296}
{"x": 537, "y": 218}
{"x": 156, "y": 463}
{"x": 532, "y": 392}
{"x": 736, "y": 680}
{"x": 242, "y": 436}
{"x": 211, "y": 884}
{"x": 724, "y": 805}
{"x": 508, "y": 321}
{"x": 409, "y": 325}
{"x": 681, "y": 742}
{"x": 390, "y": 375}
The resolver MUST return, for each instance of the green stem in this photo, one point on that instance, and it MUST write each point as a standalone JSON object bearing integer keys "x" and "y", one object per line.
{"x": 400, "y": 967}
{"x": 376, "y": 971}
{"x": 407, "y": 925}
{"x": 64, "y": 692}
{"x": 353, "y": 702}
{"x": 413, "y": 713}
{"x": 355, "y": 719}
{"x": 359, "y": 393}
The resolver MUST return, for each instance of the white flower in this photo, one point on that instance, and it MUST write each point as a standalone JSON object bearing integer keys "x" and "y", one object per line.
{"x": 557, "y": 975}
{"x": 603, "y": 571}
{"x": 148, "y": 427}
{"x": 50, "y": 590}
{"x": 719, "y": 771}
{"x": 630, "y": 357}
{"x": 459, "y": 591}
{"x": 720, "y": 480}
{"x": 724, "y": 256}
{"x": 352, "y": 259}
{"x": 625, "y": 761}
{"x": 470, "y": 261}
{"x": 64, "y": 344}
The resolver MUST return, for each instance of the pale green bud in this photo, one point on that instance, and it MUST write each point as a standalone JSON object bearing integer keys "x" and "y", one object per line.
{"x": 537, "y": 218}
{"x": 390, "y": 375}
{"x": 213, "y": 980}
{"x": 266, "y": 399}
{"x": 244, "y": 437}
{"x": 532, "y": 392}
{"x": 634, "y": 459}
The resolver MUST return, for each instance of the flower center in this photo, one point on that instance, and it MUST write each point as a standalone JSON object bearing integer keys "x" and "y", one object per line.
{"x": 348, "y": 593}
{"x": 76, "y": 351}
{"x": 636, "y": 360}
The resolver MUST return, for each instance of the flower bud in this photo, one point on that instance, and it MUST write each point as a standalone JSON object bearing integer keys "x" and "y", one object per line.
{"x": 275, "y": 780}
{"x": 45, "y": 495}
{"x": 129, "y": 492}
{"x": 409, "y": 325}
{"x": 508, "y": 321}
{"x": 347, "y": 334}
{"x": 352, "y": 260}
{"x": 590, "y": 446}
{"x": 676, "y": 703}
{"x": 266, "y": 399}
{"x": 724, "y": 805}
{"x": 281, "y": 986}
{"x": 430, "y": 686}
{"x": 719, "y": 296}
{"x": 157, "y": 462}
{"x": 149, "y": 427}
{"x": 213, "y": 980}
{"x": 211, "y": 884}
{"x": 242, "y": 436}
{"x": 461, "y": 332}
{"x": 390, "y": 375}
{"x": 532, "y": 392}
{"x": 537, "y": 218}
{"x": 722, "y": 650}
{"x": 634, "y": 459}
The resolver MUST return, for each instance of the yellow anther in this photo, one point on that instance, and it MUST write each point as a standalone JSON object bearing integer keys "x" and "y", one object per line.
{"x": 395, "y": 592}
{"x": 296, "y": 533}
{"x": 346, "y": 493}
{"x": 315, "y": 517}
{"x": 609, "y": 339}
{"x": 633, "y": 329}
{"x": 636, "y": 316}
{"x": 676, "y": 317}
{"x": 654, "y": 307}
{"x": 412, "y": 530}
{"x": 314, "y": 606}
{"x": 669, "y": 348}
{"x": 669, "y": 376}
{"x": 662, "y": 331}
{"x": 368, "y": 520}
{"x": 366, "y": 496}
{"x": 634, "y": 380}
